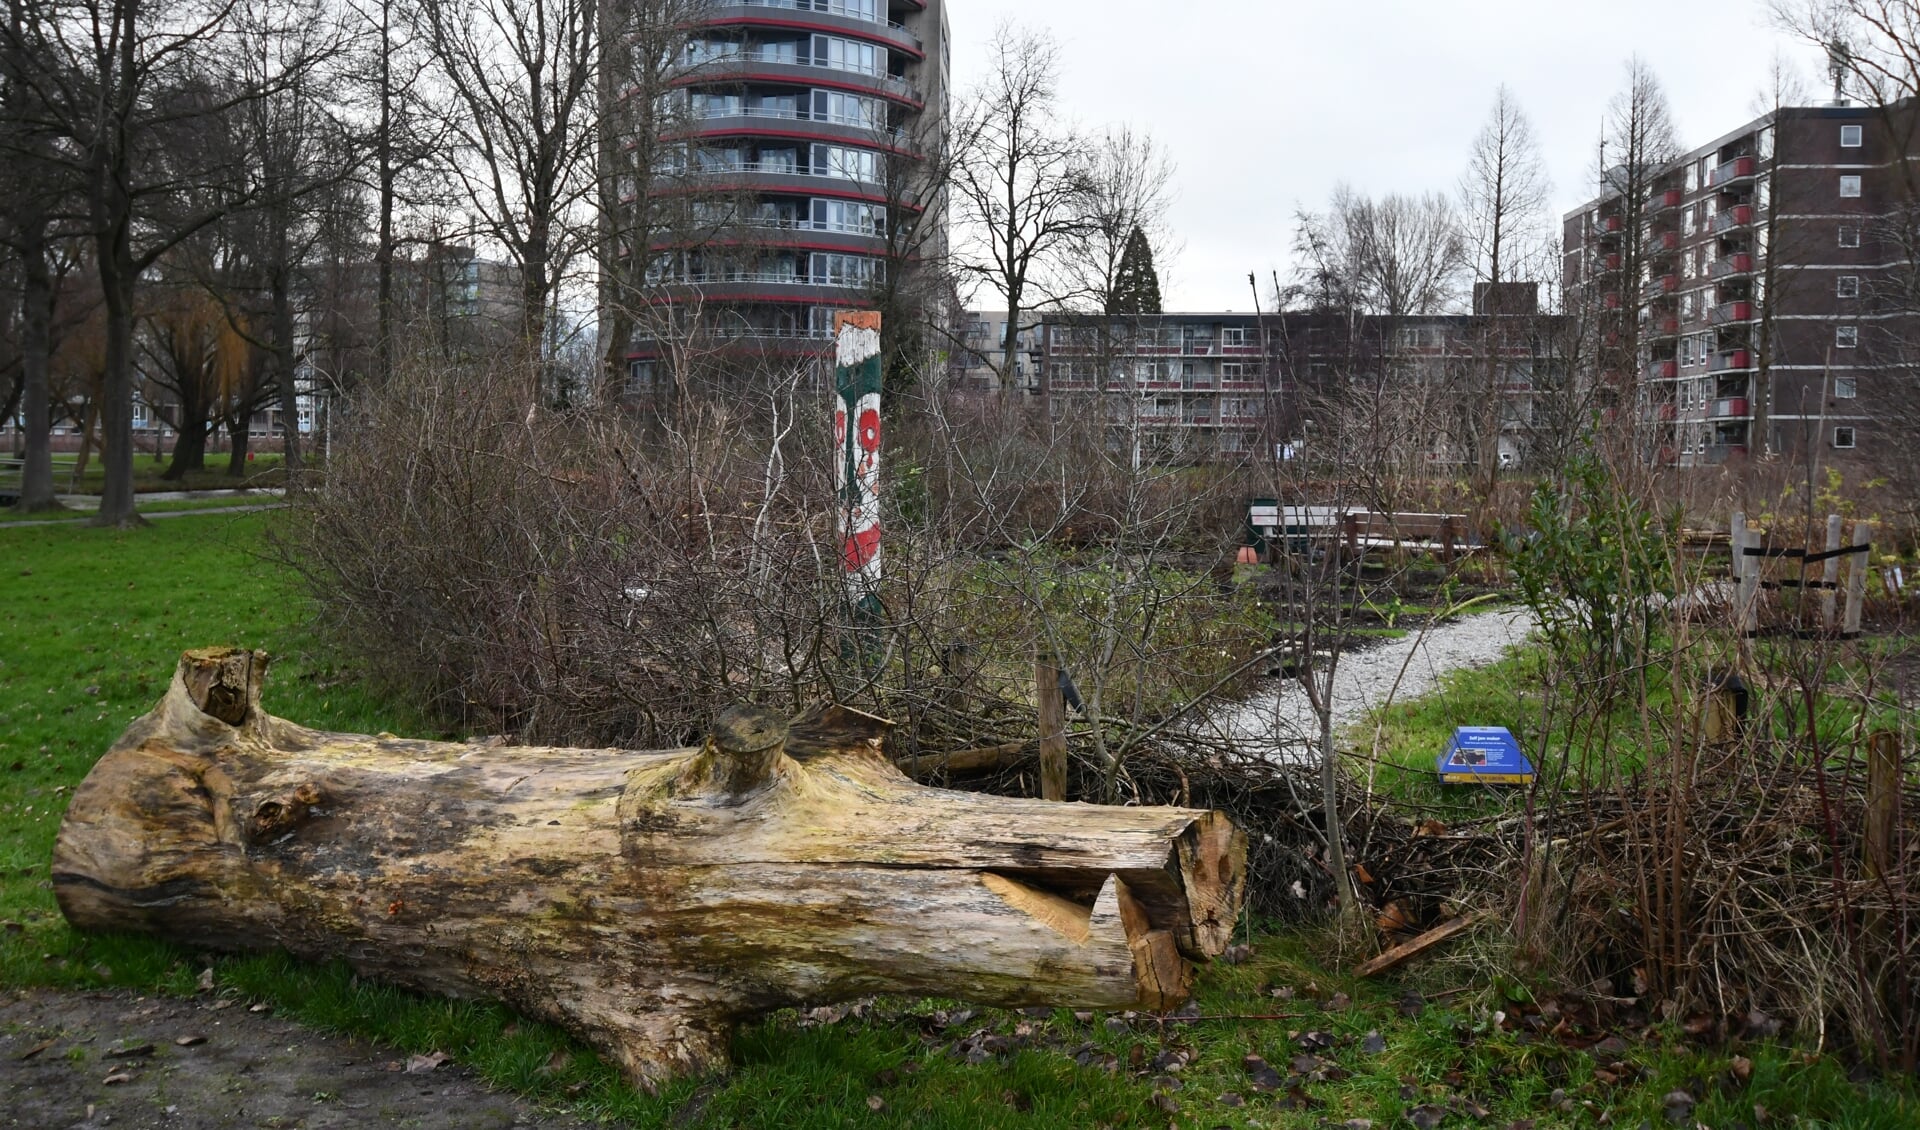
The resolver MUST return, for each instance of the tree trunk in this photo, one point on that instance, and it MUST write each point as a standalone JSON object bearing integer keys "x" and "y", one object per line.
{"x": 647, "y": 901}
{"x": 116, "y": 385}
{"x": 285, "y": 365}
{"x": 189, "y": 442}
{"x": 237, "y": 431}
{"x": 36, "y": 347}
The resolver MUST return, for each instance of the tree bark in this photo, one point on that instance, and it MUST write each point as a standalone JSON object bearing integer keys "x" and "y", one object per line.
{"x": 36, "y": 348}
{"x": 647, "y": 901}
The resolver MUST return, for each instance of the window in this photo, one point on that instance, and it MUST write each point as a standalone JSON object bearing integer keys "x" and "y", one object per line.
{"x": 1849, "y": 187}
{"x": 1843, "y": 437}
{"x": 1849, "y": 236}
{"x": 1845, "y": 388}
{"x": 848, "y": 164}
{"x": 1233, "y": 335}
{"x": 848, "y": 109}
{"x": 1846, "y": 337}
{"x": 1850, "y": 137}
{"x": 1849, "y": 286}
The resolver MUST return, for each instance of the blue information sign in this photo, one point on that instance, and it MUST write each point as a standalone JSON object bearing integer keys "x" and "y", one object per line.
{"x": 1485, "y": 755}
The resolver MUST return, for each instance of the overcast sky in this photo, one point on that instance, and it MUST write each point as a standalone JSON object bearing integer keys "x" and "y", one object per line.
{"x": 1267, "y": 104}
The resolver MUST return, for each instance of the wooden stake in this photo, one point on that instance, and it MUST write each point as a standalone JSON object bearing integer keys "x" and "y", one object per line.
{"x": 1883, "y": 801}
{"x": 1857, "y": 564}
{"x": 1830, "y": 574}
{"x": 1052, "y": 706}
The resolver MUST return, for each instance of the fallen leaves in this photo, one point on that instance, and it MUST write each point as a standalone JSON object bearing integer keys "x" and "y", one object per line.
{"x": 422, "y": 1064}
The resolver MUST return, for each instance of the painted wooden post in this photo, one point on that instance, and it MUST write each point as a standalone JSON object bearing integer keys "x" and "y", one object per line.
{"x": 1858, "y": 563}
{"x": 1883, "y": 801}
{"x": 1350, "y": 522}
{"x": 1743, "y": 576}
{"x": 1052, "y": 706}
{"x": 856, "y": 436}
{"x": 1830, "y": 573}
{"x": 1446, "y": 539}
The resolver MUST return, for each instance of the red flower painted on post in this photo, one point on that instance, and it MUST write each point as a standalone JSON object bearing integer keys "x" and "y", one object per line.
{"x": 861, "y": 548}
{"x": 870, "y": 430}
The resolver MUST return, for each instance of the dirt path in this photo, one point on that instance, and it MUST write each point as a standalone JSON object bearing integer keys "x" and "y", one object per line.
{"x": 1279, "y": 720}
{"x": 247, "y": 1069}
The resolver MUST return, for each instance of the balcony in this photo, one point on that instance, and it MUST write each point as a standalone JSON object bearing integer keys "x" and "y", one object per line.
{"x": 1611, "y": 261}
{"x": 1721, "y": 452}
{"x": 1664, "y": 285}
{"x": 1733, "y": 266}
{"x": 1663, "y": 370}
{"x": 1731, "y": 361}
{"x": 852, "y": 20}
{"x": 1738, "y": 216}
{"x": 1733, "y": 172}
{"x": 1666, "y": 412}
{"x": 1661, "y": 325}
{"x": 1729, "y": 313}
{"x": 1666, "y": 241}
{"x": 1606, "y": 227}
{"x": 1669, "y": 199}
{"x": 1730, "y": 408}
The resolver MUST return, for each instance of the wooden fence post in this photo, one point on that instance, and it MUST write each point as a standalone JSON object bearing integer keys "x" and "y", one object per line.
{"x": 1446, "y": 539}
{"x": 1883, "y": 801}
{"x": 1830, "y": 573}
{"x": 1350, "y": 523}
{"x": 1743, "y": 574}
{"x": 1858, "y": 562}
{"x": 1052, "y": 705}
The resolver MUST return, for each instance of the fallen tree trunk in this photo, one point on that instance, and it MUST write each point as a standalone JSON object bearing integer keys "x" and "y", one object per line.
{"x": 645, "y": 901}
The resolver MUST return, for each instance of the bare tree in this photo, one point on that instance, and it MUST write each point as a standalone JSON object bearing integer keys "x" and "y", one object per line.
{"x": 127, "y": 85}
{"x": 1393, "y": 258}
{"x": 1021, "y": 188}
{"x": 1127, "y": 182}
{"x": 524, "y": 76}
{"x": 33, "y": 189}
{"x": 1503, "y": 197}
{"x": 1637, "y": 148}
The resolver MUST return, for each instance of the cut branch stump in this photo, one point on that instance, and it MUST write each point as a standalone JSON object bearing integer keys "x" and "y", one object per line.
{"x": 646, "y": 901}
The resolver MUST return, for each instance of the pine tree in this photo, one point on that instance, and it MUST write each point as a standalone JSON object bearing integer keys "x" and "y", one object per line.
{"x": 1136, "y": 285}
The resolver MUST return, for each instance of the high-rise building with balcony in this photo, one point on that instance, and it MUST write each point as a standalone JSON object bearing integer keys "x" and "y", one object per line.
{"x": 1771, "y": 313}
{"x": 796, "y": 131}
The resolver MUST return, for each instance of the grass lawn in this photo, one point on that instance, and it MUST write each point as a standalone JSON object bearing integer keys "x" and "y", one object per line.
{"x": 92, "y": 621}
{"x": 174, "y": 506}
{"x": 263, "y": 470}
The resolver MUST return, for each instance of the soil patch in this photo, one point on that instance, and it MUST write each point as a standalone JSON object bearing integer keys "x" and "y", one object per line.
{"x": 200, "y": 1064}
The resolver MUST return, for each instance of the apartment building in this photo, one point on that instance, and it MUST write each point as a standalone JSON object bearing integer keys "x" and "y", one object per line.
{"x": 1765, "y": 318}
{"x": 790, "y": 125}
{"x": 1210, "y": 384}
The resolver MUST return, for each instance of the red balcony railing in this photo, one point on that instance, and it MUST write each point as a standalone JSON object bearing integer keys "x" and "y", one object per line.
{"x": 1665, "y": 284}
{"x": 1671, "y": 198}
{"x": 1738, "y": 169}
{"x": 1666, "y": 241}
{"x": 1612, "y": 261}
{"x": 1730, "y": 408}
{"x": 1606, "y": 226}
{"x": 1663, "y": 370}
{"x": 1737, "y": 264}
{"x": 1731, "y": 360}
{"x": 1666, "y": 411}
{"x": 1728, "y": 312}
{"x": 1738, "y": 216}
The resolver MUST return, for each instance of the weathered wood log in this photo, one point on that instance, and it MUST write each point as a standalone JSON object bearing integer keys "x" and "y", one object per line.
{"x": 647, "y": 901}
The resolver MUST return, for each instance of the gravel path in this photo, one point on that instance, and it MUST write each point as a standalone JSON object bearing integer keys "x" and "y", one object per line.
{"x": 112, "y": 1060}
{"x": 1279, "y": 721}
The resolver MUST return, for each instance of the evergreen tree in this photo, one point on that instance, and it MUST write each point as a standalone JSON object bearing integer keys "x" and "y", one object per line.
{"x": 1136, "y": 286}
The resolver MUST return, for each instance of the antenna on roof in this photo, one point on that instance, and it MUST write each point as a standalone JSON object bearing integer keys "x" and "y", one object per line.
{"x": 1839, "y": 62}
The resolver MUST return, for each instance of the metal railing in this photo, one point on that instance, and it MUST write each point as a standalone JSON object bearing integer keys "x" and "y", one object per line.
{"x": 831, "y": 8}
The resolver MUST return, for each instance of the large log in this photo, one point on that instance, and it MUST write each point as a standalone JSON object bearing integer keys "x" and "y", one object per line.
{"x": 646, "y": 901}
